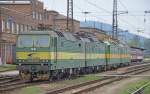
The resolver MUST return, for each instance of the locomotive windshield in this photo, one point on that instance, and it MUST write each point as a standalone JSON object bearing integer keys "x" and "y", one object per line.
{"x": 42, "y": 41}
{"x": 30, "y": 41}
{"x": 25, "y": 41}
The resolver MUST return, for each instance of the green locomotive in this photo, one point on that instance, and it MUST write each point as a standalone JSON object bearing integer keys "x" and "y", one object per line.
{"x": 54, "y": 54}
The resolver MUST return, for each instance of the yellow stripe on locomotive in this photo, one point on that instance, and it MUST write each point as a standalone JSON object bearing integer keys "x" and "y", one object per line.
{"x": 65, "y": 55}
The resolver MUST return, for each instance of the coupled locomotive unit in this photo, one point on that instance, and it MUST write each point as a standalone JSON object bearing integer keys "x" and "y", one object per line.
{"x": 54, "y": 54}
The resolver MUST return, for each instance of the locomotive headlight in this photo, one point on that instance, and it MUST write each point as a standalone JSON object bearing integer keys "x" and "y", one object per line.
{"x": 19, "y": 60}
{"x": 44, "y": 60}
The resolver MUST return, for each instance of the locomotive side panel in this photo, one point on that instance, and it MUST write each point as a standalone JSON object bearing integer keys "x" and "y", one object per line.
{"x": 95, "y": 54}
{"x": 69, "y": 54}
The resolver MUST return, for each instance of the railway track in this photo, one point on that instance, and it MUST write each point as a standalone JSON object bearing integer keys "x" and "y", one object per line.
{"x": 13, "y": 83}
{"x": 5, "y": 79}
{"x": 141, "y": 89}
{"x": 9, "y": 83}
{"x": 91, "y": 85}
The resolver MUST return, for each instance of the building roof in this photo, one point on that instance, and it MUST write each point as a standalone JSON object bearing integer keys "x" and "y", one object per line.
{"x": 63, "y": 17}
{"x": 18, "y": 2}
{"x": 52, "y": 12}
{"x": 14, "y": 2}
{"x": 97, "y": 30}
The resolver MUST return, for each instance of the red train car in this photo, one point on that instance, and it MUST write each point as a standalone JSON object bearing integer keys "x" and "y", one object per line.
{"x": 137, "y": 54}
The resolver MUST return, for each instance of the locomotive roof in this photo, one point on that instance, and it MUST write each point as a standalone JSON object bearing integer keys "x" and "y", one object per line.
{"x": 34, "y": 33}
{"x": 68, "y": 35}
{"x": 82, "y": 36}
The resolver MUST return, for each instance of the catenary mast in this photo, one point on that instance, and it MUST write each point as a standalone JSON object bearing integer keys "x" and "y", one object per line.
{"x": 115, "y": 20}
{"x": 70, "y": 23}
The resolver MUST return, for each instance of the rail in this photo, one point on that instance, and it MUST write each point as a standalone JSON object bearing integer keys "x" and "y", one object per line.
{"x": 141, "y": 89}
{"x": 89, "y": 86}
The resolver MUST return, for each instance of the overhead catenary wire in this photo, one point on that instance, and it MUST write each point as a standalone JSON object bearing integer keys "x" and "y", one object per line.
{"x": 134, "y": 16}
{"x": 129, "y": 24}
{"x": 103, "y": 9}
{"x": 123, "y": 5}
{"x": 95, "y": 5}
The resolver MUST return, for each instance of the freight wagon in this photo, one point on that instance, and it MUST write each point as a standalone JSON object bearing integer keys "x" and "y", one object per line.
{"x": 137, "y": 54}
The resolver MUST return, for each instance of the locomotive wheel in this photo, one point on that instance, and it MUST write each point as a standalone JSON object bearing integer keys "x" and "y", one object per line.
{"x": 25, "y": 76}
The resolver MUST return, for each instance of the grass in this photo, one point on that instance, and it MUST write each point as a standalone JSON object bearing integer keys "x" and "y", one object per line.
{"x": 132, "y": 87}
{"x": 4, "y": 68}
{"x": 30, "y": 90}
{"x": 147, "y": 90}
{"x": 78, "y": 80}
{"x": 41, "y": 89}
{"x": 146, "y": 60}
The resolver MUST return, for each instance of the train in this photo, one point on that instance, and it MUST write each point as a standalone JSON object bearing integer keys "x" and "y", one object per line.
{"x": 54, "y": 54}
{"x": 137, "y": 54}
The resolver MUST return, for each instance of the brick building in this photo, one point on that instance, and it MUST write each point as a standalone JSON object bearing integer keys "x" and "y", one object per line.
{"x": 59, "y": 21}
{"x": 100, "y": 34}
{"x": 22, "y": 16}
{"x": 18, "y": 17}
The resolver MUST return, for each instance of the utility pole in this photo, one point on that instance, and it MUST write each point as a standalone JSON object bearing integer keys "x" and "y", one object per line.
{"x": 115, "y": 20}
{"x": 70, "y": 22}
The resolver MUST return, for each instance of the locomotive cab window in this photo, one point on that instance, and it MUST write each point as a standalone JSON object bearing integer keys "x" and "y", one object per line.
{"x": 42, "y": 41}
{"x": 25, "y": 41}
{"x": 32, "y": 41}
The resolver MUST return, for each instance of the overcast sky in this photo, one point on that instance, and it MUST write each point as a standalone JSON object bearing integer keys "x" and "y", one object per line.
{"x": 101, "y": 10}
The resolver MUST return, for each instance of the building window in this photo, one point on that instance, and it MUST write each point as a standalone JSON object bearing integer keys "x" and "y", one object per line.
{"x": 8, "y": 27}
{"x": 3, "y": 25}
{"x": 33, "y": 15}
{"x": 40, "y": 16}
{"x": 25, "y": 27}
{"x": 29, "y": 28}
{"x": 12, "y": 29}
{"x": 37, "y": 16}
{"x": 17, "y": 28}
{"x": 21, "y": 28}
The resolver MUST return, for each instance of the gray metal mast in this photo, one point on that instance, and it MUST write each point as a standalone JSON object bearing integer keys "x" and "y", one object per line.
{"x": 115, "y": 20}
{"x": 70, "y": 23}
